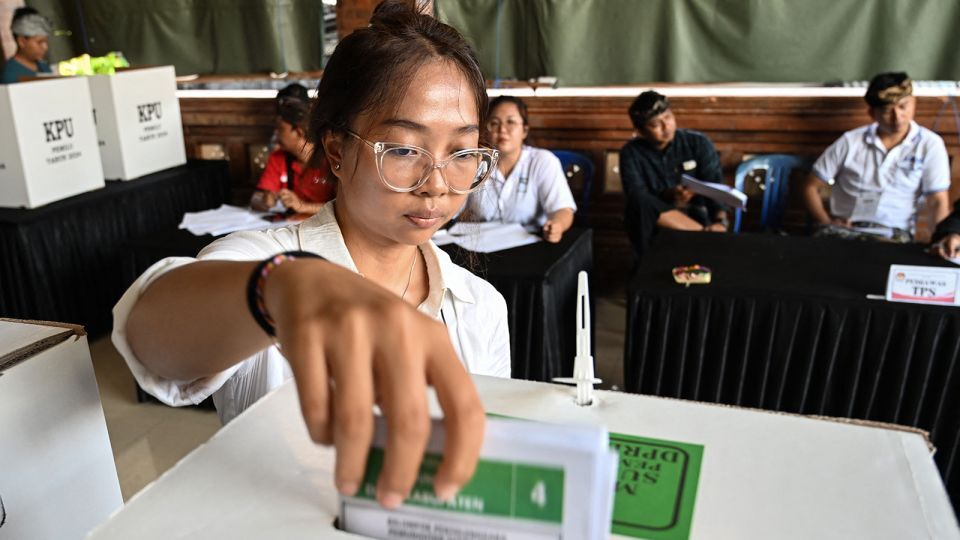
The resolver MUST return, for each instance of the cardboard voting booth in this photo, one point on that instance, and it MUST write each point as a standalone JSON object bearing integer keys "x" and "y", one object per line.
{"x": 687, "y": 470}
{"x": 138, "y": 121}
{"x": 48, "y": 142}
{"x": 57, "y": 474}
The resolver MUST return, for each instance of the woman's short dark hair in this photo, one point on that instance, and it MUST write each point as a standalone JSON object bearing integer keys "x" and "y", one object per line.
{"x": 294, "y": 112}
{"x": 521, "y": 106}
{"x": 373, "y": 67}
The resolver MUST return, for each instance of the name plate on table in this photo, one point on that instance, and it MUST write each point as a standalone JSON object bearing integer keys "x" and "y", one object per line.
{"x": 923, "y": 285}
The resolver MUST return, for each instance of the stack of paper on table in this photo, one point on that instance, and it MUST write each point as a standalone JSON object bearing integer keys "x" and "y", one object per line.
{"x": 227, "y": 219}
{"x": 722, "y": 193}
{"x": 687, "y": 470}
{"x": 485, "y": 237}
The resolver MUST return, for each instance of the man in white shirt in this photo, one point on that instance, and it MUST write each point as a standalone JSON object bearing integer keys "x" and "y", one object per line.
{"x": 881, "y": 172}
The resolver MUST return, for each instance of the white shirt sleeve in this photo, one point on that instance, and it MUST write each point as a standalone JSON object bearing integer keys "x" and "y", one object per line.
{"x": 554, "y": 190}
{"x": 172, "y": 392}
{"x": 936, "y": 171}
{"x": 828, "y": 164}
{"x": 240, "y": 246}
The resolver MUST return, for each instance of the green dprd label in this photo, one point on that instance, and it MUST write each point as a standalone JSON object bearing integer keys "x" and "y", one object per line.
{"x": 656, "y": 487}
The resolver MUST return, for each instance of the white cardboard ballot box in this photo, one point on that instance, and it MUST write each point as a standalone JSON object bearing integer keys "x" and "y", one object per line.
{"x": 48, "y": 142}
{"x": 138, "y": 121}
{"x": 688, "y": 470}
{"x": 57, "y": 474}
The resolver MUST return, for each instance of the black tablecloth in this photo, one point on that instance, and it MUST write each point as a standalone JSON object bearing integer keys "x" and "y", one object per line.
{"x": 538, "y": 281}
{"x": 786, "y": 326}
{"x": 62, "y": 261}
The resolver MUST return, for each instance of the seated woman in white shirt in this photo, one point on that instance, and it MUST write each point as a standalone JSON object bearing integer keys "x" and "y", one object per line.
{"x": 386, "y": 313}
{"x": 529, "y": 186}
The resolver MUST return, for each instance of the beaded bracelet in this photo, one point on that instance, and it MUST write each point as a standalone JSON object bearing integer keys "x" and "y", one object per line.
{"x": 258, "y": 308}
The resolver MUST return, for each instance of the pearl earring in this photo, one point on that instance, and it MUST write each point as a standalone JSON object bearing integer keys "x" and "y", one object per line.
{"x": 336, "y": 167}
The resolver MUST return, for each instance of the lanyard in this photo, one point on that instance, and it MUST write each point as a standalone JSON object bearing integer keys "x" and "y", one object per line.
{"x": 522, "y": 186}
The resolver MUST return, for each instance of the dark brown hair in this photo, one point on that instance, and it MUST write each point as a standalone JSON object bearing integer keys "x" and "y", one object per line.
{"x": 373, "y": 66}
{"x": 521, "y": 106}
{"x": 648, "y": 105}
{"x": 888, "y": 88}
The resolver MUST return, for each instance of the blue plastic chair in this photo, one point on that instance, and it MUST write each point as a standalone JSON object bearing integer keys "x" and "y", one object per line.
{"x": 776, "y": 185}
{"x": 578, "y": 163}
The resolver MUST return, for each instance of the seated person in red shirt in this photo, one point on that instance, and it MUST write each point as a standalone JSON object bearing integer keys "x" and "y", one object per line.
{"x": 286, "y": 177}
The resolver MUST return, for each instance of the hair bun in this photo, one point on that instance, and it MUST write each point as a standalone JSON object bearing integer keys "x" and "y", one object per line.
{"x": 388, "y": 12}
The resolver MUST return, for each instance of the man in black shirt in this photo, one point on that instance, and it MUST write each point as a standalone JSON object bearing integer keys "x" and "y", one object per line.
{"x": 650, "y": 168}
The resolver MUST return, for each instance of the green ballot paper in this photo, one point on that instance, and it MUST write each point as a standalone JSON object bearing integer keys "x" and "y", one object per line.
{"x": 534, "y": 481}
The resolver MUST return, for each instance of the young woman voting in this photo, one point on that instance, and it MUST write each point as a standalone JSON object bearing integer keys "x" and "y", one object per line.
{"x": 355, "y": 303}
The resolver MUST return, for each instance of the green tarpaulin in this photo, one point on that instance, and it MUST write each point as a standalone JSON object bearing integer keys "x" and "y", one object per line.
{"x": 196, "y": 36}
{"x": 582, "y": 42}
{"x": 609, "y": 42}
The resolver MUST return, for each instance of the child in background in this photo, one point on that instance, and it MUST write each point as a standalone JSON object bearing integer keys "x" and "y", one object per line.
{"x": 32, "y": 32}
{"x": 286, "y": 177}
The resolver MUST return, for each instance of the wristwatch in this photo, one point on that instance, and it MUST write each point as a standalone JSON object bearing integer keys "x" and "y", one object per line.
{"x": 724, "y": 220}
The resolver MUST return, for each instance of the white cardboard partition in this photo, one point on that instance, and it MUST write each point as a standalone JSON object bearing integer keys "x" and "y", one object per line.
{"x": 48, "y": 142}
{"x": 762, "y": 475}
{"x": 138, "y": 121}
{"x": 57, "y": 474}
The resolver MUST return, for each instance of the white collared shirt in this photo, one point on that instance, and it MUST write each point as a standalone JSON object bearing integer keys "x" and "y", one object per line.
{"x": 894, "y": 180}
{"x": 474, "y": 313}
{"x": 535, "y": 188}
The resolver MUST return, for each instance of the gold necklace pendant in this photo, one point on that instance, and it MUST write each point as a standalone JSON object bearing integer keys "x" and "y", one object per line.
{"x": 413, "y": 264}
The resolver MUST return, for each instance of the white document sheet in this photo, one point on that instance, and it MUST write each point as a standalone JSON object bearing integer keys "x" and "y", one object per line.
{"x": 488, "y": 237}
{"x": 721, "y": 193}
{"x": 227, "y": 219}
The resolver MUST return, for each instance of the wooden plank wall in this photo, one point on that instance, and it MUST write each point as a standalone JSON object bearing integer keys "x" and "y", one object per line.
{"x": 740, "y": 127}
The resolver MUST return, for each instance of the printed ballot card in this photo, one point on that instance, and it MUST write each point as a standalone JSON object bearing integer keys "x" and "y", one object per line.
{"x": 656, "y": 487}
{"x": 539, "y": 481}
{"x": 923, "y": 285}
{"x": 533, "y": 481}
{"x": 516, "y": 500}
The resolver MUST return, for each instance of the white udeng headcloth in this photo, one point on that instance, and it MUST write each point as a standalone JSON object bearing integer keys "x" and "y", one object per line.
{"x": 30, "y": 25}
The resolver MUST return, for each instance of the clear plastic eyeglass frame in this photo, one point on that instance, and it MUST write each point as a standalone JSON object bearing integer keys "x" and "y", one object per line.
{"x": 381, "y": 148}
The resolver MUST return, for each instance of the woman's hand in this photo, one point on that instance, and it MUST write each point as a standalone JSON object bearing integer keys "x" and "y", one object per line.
{"x": 263, "y": 201}
{"x": 352, "y": 344}
{"x": 291, "y": 200}
{"x": 557, "y": 223}
{"x": 552, "y": 232}
{"x": 948, "y": 247}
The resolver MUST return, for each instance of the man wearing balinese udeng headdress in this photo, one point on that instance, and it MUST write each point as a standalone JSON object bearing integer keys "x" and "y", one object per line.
{"x": 881, "y": 171}
{"x": 32, "y": 32}
{"x": 651, "y": 166}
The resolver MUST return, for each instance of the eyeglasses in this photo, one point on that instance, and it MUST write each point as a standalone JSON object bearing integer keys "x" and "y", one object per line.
{"x": 510, "y": 124}
{"x": 404, "y": 168}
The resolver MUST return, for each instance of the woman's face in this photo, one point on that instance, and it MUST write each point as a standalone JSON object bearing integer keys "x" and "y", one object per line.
{"x": 506, "y": 129}
{"x": 439, "y": 114}
{"x": 34, "y": 48}
{"x": 289, "y": 138}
